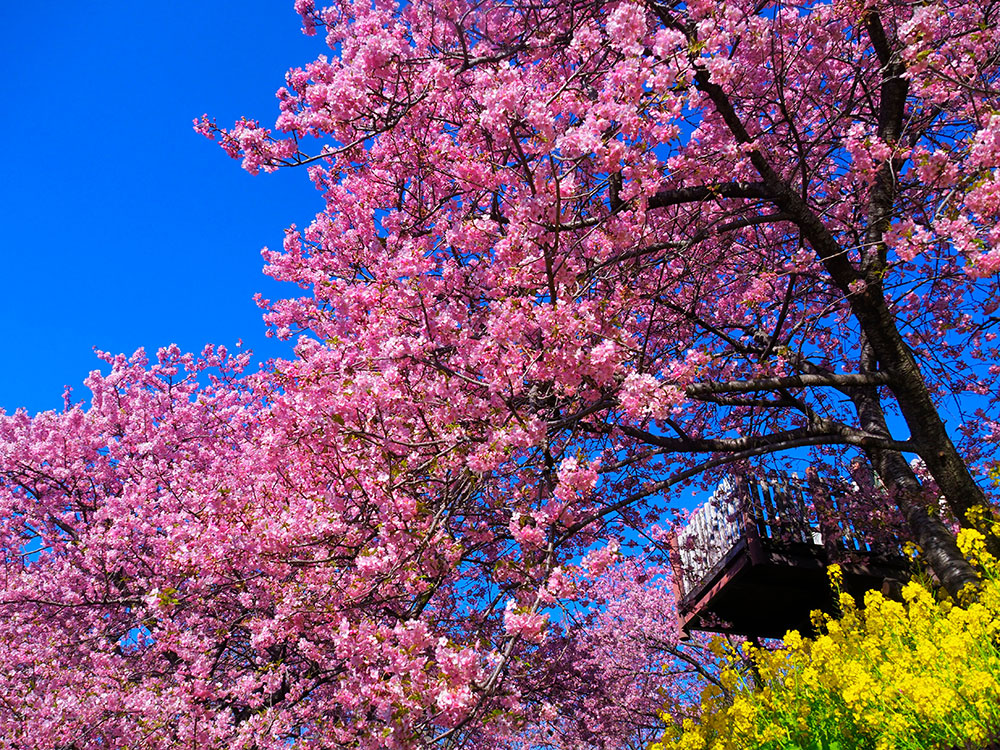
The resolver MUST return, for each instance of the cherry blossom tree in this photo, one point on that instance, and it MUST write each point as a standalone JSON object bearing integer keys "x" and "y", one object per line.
{"x": 753, "y": 227}
{"x": 572, "y": 256}
{"x": 179, "y": 571}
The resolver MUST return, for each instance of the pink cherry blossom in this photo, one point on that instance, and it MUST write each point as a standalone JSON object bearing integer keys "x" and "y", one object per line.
{"x": 574, "y": 263}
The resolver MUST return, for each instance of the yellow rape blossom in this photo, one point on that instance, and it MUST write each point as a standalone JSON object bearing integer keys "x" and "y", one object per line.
{"x": 892, "y": 675}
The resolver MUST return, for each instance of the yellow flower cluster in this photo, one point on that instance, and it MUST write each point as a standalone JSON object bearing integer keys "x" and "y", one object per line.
{"x": 892, "y": 675}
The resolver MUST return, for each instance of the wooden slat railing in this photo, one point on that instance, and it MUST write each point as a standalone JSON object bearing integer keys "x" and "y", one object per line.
{"x": 776, "y": 511}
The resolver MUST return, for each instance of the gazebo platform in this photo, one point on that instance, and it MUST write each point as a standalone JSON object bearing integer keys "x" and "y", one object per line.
{"x": 753, "y": 560}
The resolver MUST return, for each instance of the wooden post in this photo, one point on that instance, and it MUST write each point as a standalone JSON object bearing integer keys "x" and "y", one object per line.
{"x": 825, "y": 513}
{"x": 754, "y": 523}
{"x": 676, "y": 567}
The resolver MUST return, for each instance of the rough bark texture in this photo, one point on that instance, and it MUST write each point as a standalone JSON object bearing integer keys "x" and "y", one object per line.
{"x": 919, "y": 511}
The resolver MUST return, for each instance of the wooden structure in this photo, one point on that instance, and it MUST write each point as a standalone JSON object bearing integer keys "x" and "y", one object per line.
{"x": 753, "y": 559}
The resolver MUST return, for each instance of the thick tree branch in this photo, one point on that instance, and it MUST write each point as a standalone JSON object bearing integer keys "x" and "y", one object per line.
{"x": 833, "y": 380}
{"x": 892, "y": 105}
{"x": 747, "y": 401}
{"x": 655, "y": 488}
{"x": 830, "y": 433}
{"x": 699, "y": 193}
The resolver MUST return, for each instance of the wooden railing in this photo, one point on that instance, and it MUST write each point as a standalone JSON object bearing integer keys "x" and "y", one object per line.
{"x": 714, "y": 529}
{"x": 778, "y": 513}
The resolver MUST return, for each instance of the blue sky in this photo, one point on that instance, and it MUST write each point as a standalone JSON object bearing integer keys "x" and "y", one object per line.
{"x": 120, "y": 227}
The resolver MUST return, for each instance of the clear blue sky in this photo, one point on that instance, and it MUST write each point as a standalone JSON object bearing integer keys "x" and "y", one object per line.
{"x": 120, "y": 227}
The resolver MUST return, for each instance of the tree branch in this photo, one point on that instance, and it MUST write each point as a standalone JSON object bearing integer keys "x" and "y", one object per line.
{"x": 830, "y": 433}
{"x": 682, "y": 476}
{"x": 832, "y": 380}
{"x": 698, "y": 193}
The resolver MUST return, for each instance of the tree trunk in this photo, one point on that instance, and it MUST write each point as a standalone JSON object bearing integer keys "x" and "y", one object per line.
{"x": 922, "y": 518}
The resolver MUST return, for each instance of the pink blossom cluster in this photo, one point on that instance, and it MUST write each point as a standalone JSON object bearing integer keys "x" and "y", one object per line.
{"x": 570, "y": 256}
